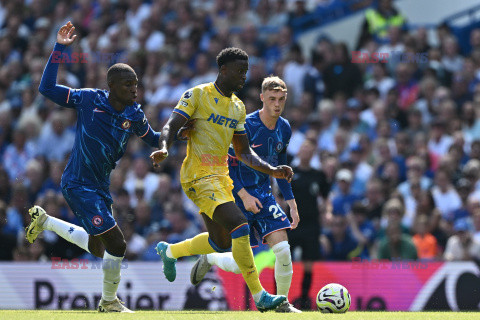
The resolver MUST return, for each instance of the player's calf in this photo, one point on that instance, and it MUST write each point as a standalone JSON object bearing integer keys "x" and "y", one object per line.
{"x": 283, "y": 267}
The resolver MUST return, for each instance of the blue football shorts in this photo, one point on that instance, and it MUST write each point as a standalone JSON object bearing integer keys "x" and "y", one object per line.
{"x": 271, "y": 218}
{"x": 92, "y": 208}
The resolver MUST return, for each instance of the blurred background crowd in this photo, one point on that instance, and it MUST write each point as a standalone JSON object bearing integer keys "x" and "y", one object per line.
{"x": 389, "y": 151}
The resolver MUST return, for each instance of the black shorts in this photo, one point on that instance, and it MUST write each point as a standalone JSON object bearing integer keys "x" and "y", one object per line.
{"x": 307, "y": 238}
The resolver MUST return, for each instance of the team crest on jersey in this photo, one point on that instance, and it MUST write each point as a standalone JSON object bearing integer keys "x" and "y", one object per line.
{"x": 97, "y": 221}
{"x": 279, "y": 146}
{"x": 187, "y": 94}
{"x": 126, "y": 124}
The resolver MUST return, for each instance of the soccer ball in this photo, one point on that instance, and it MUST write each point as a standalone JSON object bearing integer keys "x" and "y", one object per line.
{"x": 333, "y": 298}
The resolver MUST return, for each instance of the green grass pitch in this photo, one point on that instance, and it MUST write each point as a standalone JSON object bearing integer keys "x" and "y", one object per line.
{"x": 230, "y": 315}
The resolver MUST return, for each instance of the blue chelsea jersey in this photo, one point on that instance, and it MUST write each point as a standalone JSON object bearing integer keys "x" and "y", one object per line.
{"x": 101, "y": 137}
{"x": 271, "y": 146}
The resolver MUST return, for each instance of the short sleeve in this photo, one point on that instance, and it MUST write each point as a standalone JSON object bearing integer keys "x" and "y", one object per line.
{"x": 187, "y": 104}
{"x": 240, "y": 129}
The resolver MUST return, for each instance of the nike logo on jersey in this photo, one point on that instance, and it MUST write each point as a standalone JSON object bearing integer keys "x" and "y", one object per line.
{"x": 283, "y": 219}
{"x": 97, "y": 110}
{"x": 256, "y": 145}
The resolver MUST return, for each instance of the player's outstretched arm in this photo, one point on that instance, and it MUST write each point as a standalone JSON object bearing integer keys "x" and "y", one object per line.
{"x": 168, "y": 134}
{"x": 48, "y": 85}
{"x": 251, "y": 159}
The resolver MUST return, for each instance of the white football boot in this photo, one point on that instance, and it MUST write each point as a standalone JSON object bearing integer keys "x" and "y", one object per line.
{"x": 287, "y": 307}
{"x": 113, "y": 306}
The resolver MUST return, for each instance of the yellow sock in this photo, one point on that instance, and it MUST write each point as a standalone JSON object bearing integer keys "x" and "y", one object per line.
{"x": 197, "y": 245}
{"x": 243, "y": 255}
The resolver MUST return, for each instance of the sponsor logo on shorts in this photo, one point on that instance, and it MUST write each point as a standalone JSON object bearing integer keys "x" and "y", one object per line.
{"x": 183, "y": 103}
{"x": 97, "y": 221}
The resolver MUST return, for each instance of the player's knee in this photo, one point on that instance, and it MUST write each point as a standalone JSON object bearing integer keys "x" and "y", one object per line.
{"x": 221, "y": 245}
{"x": 95, "y": 247}
{"x": 122, "y": 247}
{"x": 117, "y": 248}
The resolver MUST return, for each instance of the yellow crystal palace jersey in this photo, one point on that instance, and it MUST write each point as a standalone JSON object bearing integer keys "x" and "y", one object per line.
{"x": 218, "y": 119}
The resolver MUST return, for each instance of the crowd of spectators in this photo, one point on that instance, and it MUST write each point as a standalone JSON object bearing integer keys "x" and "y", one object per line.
{"x": 396, "y": 144}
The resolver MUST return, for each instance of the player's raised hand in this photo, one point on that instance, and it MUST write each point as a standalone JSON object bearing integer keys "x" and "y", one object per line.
{"x": 186, "y": 130}
{"x": 283, "y": 172}
{"x": 65, "y": 35}
{"x": 158, "y": 156}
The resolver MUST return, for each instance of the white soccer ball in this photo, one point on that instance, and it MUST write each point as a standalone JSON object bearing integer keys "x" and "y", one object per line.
{"x": 333, "y": 298}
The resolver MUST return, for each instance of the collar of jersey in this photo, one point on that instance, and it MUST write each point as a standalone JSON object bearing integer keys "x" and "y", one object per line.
{"x": 218, "y": 89}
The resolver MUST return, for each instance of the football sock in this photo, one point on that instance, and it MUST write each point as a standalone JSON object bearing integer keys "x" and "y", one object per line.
{"x": 283, "y": 267}
{"x": 257, "y": 296}
{"x": 111, "y": 275}
{"x": 243, "y": 255}
{"x": 68, "y": 231}
{"x": 197, "y": 245}
{"x": 224, "y": 261}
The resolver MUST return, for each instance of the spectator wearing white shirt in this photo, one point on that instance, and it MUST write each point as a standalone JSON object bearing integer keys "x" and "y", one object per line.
{"x": 294, "y": 73}
{"x": 444, "y": 194}
{"x": 439, "y": 141}
{"x": 415, "y": 172}
{"x": 55, "y": 141}
{"x": 380, "y": 80}
{"x": 140, "y": 176}
{"x": 136, "y": 13}
{"x": 329, "y": 123}
{"x": 203, "y": 71}
{"x": 451, "y": 60}
{"x": 167, "y": 96}
{"x": 462, "y": 246}
{"x": 17, "y": 155}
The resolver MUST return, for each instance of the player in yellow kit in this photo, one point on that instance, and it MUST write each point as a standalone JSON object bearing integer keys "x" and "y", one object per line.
{"x": 220, "y": 118}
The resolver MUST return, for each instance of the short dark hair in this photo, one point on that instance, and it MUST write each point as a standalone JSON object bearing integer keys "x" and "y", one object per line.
{"x": 116, "y": 69}
{"x": 231, "y": 54}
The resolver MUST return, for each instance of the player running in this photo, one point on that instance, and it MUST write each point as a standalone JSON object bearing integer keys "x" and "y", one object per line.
{"x": 220, "y": 119}
{"x": 269, "y": 135}
{"x": 106, "y": 121}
